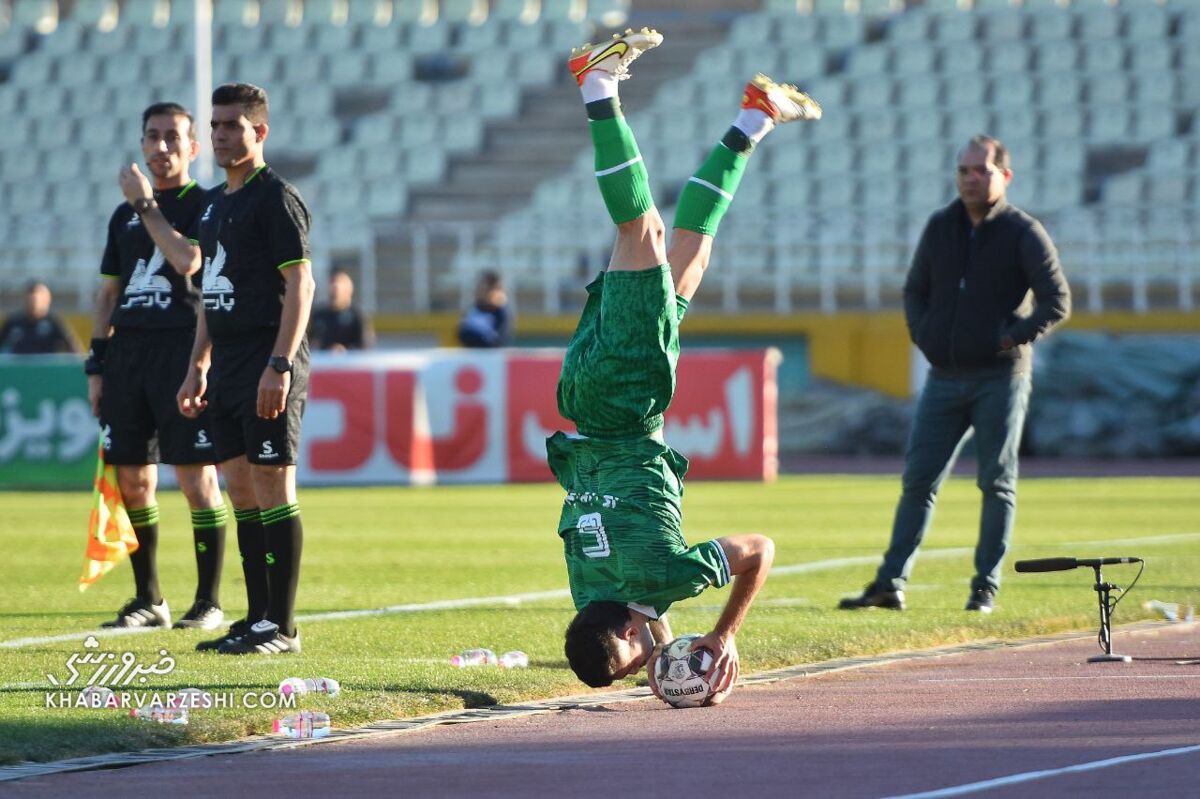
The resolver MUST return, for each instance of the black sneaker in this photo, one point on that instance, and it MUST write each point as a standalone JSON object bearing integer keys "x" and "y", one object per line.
{"x": 202, "y": 615}
{"x": 235, "y": 631}
{"x": 874, "y": 596}
{"x": 982, "y": 600}
{"x": 140, "y": 613}
{"x": 263, "y": 638}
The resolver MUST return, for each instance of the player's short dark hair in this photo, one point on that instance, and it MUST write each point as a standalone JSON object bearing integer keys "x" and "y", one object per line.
{"x": 251, "y": 98}
{"x": 490, "y": 279}
{"x": 1000, "y": 155}
{"x": 175, "y": 110}
{"x": 591, "y": 645}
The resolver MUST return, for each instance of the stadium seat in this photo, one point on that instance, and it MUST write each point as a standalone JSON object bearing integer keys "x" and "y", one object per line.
{"x": 1166, "y": 188}
{"x": 348, "y": 69}
{"x": 108, "y": 42}
{"x": 1149, "y": 56}
{"x": 1169, "y": 155}
{"x": 913, "y": 61}
{"x": 1122, "y": 189}
{"x": 234, "y": 37}
{"x": 329, "y": 39}
{"x": 797, "y": 29}
{"x": 960, "y": 59}
{"x": 921, "y": 124}
{"x": 1008, "y": 57}
{"x": 387, "y": 69}
{"x": 238, "y": 13}
{"x": 1145, "y": 21}
{"x": 1056, "y": 56}
{"x": 276, "y": 13}
{"x": 40, "y": 15}
{"x": 289, "y": 39}
{"x": 66, "y": 39}
{"x": 1049, "y": 24}
{"x": 386, "y": 198}
{"x": 1102, "y": 56}
{"x": 479, "y": 37}
{"x": 801, "y": 64}
{"x": 917, "y": 94}
{"x": 1109, "y": 125}
{"x": 879, "y": 158}
{"x": 1153, "y": 122}
{"x": 1009, "y": 90}
{"x": 910, "y": 28}
{"x": 966, "y": 90}
{"x": 1058, "y": 89}
{"x": 467, "y": 12}
{"x": 1017, "y": 122}
{"x": 1106, "y": 88}
{"x": 375, "y": 12}
{"x": 1006, "y": 25}
{"x": 568, "y": 10}
{"x": 145, "y": 14}
{"x": 872, "y": 93}
{"x": 1064, "y": 122}
{"x": 841, "y": 31}
{"x": 1098, "y": 23}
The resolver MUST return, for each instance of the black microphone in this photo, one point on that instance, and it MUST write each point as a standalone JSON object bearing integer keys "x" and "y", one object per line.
{"x": 1064, "y": 564}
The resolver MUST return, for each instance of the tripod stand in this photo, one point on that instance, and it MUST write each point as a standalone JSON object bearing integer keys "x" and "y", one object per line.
{"x": 1104, "y": 594}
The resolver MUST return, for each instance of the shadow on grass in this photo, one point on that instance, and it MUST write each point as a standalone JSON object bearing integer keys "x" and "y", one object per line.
{"x": 46, "y": 739}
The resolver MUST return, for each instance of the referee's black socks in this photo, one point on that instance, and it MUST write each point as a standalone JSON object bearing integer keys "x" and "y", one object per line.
{"x": 285, "y": 540}
{"x": 145, "y": 558}
{"x": 252, "y": 545}
{"x": 208, "y": 535}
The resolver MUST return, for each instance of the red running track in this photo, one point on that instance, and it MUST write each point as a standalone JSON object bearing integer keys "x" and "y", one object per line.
{"x": 934, "y": 724}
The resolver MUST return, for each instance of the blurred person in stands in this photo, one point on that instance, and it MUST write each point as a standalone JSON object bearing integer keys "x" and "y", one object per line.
{"x": 486, "y": 323}
{"x": 339, "y": 326}
{"x": 35, "y": 330}
{"x": 967, "y": 306}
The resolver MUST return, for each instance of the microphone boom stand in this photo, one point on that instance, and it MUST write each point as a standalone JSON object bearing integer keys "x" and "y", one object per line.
{"x": 1103, "y": 593}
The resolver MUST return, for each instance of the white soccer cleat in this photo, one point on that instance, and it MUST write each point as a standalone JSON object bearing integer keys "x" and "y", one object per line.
{"x": 614, "y": 56}
{"x": 782, "y": 102}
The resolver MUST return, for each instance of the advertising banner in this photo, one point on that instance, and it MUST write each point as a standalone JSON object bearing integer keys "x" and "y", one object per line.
{"x": 47, "y": 432}
{"x": 461, "y": 416}
{"x": 417, "y": 417}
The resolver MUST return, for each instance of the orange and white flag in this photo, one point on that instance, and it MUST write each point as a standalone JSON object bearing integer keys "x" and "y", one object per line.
{"x": 110, "y": 533}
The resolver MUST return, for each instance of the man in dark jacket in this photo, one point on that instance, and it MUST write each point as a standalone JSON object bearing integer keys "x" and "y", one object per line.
{"x": 966, "y": 301}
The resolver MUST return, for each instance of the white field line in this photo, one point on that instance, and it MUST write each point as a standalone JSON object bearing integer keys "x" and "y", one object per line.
{"x": 562, "y": 593}
{"x": 1171, "y": 677}
{"x": 1030, "y": 776}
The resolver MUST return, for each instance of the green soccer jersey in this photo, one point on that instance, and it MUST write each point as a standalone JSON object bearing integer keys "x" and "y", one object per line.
{"x": 621, "y": 525}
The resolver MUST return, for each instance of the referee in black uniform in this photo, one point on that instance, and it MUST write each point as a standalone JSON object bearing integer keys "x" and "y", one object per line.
{"x": 249, "y": 362}
{"x": 145, "y": 321}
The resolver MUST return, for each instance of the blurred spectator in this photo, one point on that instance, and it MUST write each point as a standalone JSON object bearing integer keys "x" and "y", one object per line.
{"x": 36, "y": 331}
{"x": 339, "y": 326}
{"x": 486, "y": 323}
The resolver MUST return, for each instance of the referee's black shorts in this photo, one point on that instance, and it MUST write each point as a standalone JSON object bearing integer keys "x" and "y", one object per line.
{"x": 143, "y": 369}
{"x": 236, "y": 427}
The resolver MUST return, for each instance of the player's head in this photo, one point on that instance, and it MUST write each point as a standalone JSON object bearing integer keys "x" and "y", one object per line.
{"x": 168, "y": 140}
{"x": 37, "y": 299}
{"x": 984, "y": 172}
{"x": 605, "y": 643}
{"x": 341, "y": 289}
{"x": 490, "y": 289}
{"x": 239, "y": 123}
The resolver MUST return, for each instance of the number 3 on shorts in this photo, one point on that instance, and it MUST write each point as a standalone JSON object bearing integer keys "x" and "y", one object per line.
{"x": 590, "y": 523}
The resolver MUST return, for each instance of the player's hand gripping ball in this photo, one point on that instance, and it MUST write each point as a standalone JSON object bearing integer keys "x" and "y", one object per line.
{"x": 680, "y": 675}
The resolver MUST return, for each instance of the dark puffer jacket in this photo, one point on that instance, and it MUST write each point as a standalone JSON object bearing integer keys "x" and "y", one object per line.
{"x": 968, "y": 287}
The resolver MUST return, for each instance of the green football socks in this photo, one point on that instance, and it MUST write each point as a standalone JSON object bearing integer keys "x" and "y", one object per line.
{"x": 208, "y": 535}
{"x": 707, "y": 194}
{"x": 145, "y": 558}
{"x": 620, "y": 171}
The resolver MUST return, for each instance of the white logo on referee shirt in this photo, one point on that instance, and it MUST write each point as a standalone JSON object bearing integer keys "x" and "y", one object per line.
{"x": 148, "y": 288}
{"x": 218, "y": 290}
{"x": 202, "y": 441}
{"x": 268, "y": 451}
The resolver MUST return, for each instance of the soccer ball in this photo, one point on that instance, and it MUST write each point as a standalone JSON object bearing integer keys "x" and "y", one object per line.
{"x": 680, "y": 674}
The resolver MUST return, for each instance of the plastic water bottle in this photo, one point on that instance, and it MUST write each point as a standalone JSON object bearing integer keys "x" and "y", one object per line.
{"x": 310, "y": 685}
{"x": 514, "y": 660}
{"x": 1169, "y": 610}
{"x": 99, "y": 696}
{"x": 163, "y": 714}
{"x": 305, "y": 724}
{"x": 474, "y": 657}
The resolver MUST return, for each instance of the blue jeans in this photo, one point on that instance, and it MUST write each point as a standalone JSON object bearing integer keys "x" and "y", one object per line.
{"x": 949, "y": 408}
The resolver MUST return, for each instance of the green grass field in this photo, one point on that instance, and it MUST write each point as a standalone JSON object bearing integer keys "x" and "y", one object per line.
{"x": 370, "y": 548}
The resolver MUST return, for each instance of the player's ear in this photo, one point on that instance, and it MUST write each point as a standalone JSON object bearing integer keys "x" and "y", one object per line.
{"x": 630, "y": 630}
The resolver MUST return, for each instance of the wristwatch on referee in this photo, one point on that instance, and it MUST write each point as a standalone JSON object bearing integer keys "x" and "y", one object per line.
{"x": 280, "y": 363}
{"x": 144, "y": 204}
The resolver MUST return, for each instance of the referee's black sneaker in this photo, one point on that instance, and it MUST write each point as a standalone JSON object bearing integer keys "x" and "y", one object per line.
{"x": 875, "y": 596}
{"x": 140, "y": 612}
{"x": 264, "y": 638}
{"x": 982, "y": 600}
{"x": 235, "y": 631}
{"x": 202, "y": 615}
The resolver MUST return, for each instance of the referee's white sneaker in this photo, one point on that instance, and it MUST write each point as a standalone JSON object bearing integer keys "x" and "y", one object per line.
{"x": 264, "y": 638}
{"x": 202, "y": 615}
{"x": 140, "y": 612}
